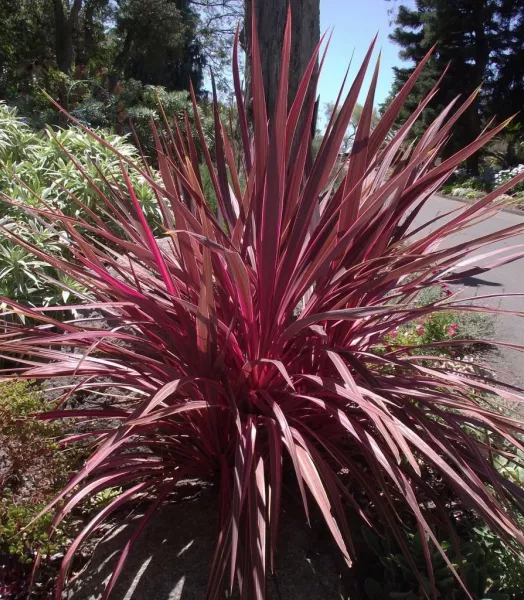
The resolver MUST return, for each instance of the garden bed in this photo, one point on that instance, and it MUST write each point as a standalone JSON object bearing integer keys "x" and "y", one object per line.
{"x": 44, "y": 466}
{"x": 469, "y": 189}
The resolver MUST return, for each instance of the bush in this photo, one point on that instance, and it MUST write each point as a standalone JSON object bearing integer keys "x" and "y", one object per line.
{"x": 32, "y": 470}
{"x": 448, "y": 325}
{"x": 463, "y": 185}
{"x": 41, "y": 164}
{"x": 37, "y": 168}
{"x": 241, "y": 343}
{"x": 443, "y": 333}
{"x": 465, "y": 192}
{"x": 508, "y": 174}
{"x": 133, "y": 101}
{"x": 490, "y": 569}
{"x": 31, "y": 98}
{"x": 435, "y": 329}
{"x": 25, "y": 440}
{"x": 474, "y": 183}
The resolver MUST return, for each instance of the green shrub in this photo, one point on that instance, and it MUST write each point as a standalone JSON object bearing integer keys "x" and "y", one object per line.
{"x": 17, "y": 139}
{"x": 441, "y": 327}
{"x": 41, "y": 162}
{"x": 21, "y": 538}
{"x": 449, "y": 325}
{"x": 25, "y": 440}
{"x": 491, "y": 570}
{"x": 32, "y": 468}
{"x": 92, "y": 112}
{"x": 474, "y": 183}
{"x": 25, "y": 278}
{"x": 466, "y": 192}
{"x": 31, "y": 97}
{"x": 464, "y": 185}
{"x": 132, "y": 100}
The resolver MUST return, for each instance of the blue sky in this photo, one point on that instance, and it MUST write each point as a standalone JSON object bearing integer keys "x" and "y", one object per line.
{"x": 355, "y": 23}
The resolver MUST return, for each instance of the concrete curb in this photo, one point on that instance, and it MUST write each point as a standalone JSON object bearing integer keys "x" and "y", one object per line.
{"x": 513, "y": 211}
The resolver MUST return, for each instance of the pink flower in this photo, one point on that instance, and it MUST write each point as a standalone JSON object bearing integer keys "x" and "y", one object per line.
{"x": 453, "y": 353}
{"x": 393, "y": 333}
{"x": 452, "y": 329}
{"x": 420, "y": 329}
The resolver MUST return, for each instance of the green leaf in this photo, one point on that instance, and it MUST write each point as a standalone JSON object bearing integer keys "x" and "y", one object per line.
{"x": 403, "y": 595}
{"x": 373, "y": 589}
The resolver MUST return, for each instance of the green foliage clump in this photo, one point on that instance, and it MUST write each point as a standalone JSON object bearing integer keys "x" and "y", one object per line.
{"x": 42, "y": 162}
{"x": 16, "y": 137}
{"x": 447, "y": 325}
{"x": 464, "y": 185}
{"x": 442, "y": 327}
{"x": 513, "y": 472}
{"x": 465, "y": 192}
{"x": 490, "y": 569}
{"x": 21, "y": 537}
{"x": 26, "y": 440}
{"x": 32, "y": 467}
{"x": 37, "y": 168}
{"x": 142, "y": 104}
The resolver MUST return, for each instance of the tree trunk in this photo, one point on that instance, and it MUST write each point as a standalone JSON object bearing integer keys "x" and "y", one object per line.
{"x": 511, "y": 153}
{"x": 64, "y": 28}
{"x": 271, "y": 21}
{"x": 120, "y": 61}
{"x": 481, "y": 63}
{"x": 89, "y": 33}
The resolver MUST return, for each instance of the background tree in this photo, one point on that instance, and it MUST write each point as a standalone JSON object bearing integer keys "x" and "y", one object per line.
{"x": 157, "y": 43}
{"x": 92, "y": 39}
{"x": 217, "y": 23}
{"x": 505, "y": 93}
{"x": 355, "y": 118}
{"x": 66, "y": 17}
{"x": 481, "y": 41}
{"x": 25, "y": 43}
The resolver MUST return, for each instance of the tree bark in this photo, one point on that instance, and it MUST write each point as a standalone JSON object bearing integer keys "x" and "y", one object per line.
{"x": 271, "y": 21}
{"x": 120, "y": 61}
{"x": 481, "y": 63}
{"x": 89, "y": 31}
{"x": 64, "y": 28}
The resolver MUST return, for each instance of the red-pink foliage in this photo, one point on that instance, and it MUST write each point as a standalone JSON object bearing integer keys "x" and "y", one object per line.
{"x": 244, "y": 342}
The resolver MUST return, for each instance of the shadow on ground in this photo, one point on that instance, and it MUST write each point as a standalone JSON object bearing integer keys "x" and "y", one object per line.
{"x": 477, "y": 281}
{"x": 172, "y": 558}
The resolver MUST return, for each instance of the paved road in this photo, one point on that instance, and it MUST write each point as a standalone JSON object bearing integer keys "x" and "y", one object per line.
{"x": 502, "y": 280}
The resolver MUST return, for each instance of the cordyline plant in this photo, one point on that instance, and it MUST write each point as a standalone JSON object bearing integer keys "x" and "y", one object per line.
{"x": 244, "y": 343}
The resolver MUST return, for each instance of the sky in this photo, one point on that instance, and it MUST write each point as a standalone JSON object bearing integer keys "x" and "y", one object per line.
{"x": 355, "y": 23}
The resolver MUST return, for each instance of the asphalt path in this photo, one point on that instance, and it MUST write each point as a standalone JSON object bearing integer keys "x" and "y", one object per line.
{"x": 506, "y": 279}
